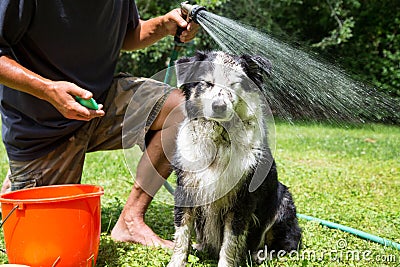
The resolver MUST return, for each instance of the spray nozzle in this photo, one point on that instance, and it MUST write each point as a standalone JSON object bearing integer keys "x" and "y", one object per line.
{"x": 191, "y": 11}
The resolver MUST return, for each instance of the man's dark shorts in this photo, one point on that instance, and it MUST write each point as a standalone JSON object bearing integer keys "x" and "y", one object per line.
{"x": 144, "y": 99}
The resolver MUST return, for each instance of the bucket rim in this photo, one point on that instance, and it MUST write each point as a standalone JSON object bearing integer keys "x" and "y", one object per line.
{"x": 5, "y": 200}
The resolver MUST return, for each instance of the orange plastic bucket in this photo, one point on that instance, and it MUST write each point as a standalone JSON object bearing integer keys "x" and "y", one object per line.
{"x": 52, "y": 225}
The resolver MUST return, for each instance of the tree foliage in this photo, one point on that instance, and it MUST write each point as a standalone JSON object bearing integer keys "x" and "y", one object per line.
{"x": 362, "y": 36}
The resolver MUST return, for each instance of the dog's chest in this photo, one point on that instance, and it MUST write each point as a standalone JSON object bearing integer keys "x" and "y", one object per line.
{"x": 214, "y": 159}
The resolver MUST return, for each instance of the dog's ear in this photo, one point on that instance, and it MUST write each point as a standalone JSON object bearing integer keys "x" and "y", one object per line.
{"x": 256, "y": 68}
{"x": 184, "y": 68}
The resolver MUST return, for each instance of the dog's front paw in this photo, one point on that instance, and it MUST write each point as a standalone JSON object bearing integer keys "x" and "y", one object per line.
{"x": 178, "y": 260}
{"x": 224, "y": 263}
{"x": 176, "y": 263}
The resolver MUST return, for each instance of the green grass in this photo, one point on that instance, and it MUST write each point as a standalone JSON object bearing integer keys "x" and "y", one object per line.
{"x": 345, "y": 174}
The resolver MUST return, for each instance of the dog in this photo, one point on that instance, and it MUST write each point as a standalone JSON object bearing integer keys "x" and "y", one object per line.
{"x": 227, "y": 185}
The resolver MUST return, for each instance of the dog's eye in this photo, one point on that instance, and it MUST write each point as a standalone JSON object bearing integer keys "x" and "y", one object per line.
{"x": 236, "y": 85}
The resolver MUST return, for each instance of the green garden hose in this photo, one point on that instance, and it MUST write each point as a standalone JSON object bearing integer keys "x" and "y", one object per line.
{"x": 353, "y": 231}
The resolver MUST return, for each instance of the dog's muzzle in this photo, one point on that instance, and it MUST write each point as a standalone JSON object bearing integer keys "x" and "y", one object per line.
{"x": 219, "y": 107}
{"x": 220, "y": 110}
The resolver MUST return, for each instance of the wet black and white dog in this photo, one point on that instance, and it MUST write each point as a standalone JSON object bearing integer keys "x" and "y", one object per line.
{"x": 227, "y": 186}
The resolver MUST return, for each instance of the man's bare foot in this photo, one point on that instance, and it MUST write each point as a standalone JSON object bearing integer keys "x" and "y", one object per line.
{"x": 136, "y": 231}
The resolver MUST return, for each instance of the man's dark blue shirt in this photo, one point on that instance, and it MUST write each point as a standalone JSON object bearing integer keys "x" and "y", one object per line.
{"x": 61, "y": 40}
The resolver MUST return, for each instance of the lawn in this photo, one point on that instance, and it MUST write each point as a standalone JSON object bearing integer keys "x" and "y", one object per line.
{"x": 346, "y": 174}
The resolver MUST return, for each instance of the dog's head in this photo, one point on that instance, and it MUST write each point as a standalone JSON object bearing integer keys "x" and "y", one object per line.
{"x": 215, "y": 82}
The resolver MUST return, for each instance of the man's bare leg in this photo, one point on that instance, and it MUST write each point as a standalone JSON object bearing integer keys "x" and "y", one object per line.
{"x": 153, "y": 168}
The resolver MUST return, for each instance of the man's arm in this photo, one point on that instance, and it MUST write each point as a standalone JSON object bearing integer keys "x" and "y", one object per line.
{"x": 59, "y": 93}
{"x": 150, "y": 31}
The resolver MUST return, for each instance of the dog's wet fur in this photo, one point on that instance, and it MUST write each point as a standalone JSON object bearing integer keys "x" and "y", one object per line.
{"x": 220, "y": 147}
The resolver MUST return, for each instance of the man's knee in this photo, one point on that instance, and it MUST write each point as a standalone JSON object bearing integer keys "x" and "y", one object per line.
{"x": 171, "y": 111}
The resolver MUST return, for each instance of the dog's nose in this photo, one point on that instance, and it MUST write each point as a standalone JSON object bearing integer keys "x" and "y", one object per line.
{"x": 219, "y": 106}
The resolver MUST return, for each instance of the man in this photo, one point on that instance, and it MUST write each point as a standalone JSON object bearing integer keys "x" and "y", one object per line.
{"x": 53, "y": 51}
